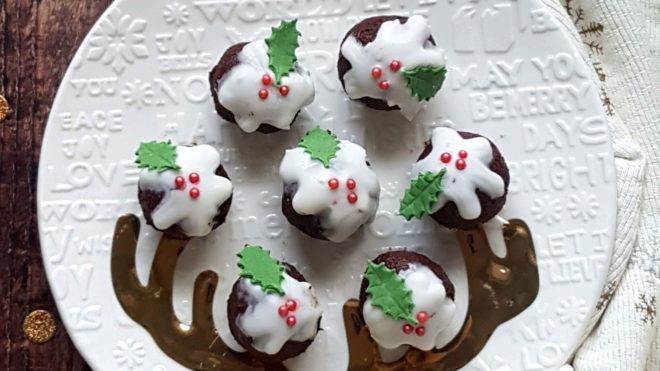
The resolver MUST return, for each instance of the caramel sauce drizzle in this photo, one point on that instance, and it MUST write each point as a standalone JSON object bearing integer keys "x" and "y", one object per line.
{"x": 499, "y": 288}
{"x": 198, "y": 347}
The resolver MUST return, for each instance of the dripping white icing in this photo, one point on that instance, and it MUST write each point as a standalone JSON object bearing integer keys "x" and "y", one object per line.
{"x": 391, "y": 355}
{"x": 262, "y": 322}
{"x": 339, "y": 218}
{"x": 193, "y": 216}
{"x": 428, "y": 295}
{"x": 407, "y": 43}
{"x": 238, "y": 91}
{"x": 494, "y": 233}
{"x": 460, "y": 186}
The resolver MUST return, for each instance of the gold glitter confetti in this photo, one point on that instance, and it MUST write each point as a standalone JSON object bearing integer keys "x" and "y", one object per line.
{"x": 4, "y": 108}
{"x": 39, "y": 326}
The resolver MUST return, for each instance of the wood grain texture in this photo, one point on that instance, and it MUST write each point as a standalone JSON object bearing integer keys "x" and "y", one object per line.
{"x": 37, "y": 41}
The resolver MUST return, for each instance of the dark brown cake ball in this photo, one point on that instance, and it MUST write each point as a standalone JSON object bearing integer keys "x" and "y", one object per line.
{"x": 406, "y": 299}
{"x": 308, "y": 224}
{"x": 373, "y": 65}
{"x": 473, "y": 183}
{"x": 252, "y": 93}
{"x": 273, "y": 321}
{"x": 184, "y": 191}
{"x": 328, "y": 195}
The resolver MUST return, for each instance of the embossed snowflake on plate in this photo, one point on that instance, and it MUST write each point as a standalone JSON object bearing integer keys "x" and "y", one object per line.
{"x": 572, "y": 311}
{"x": 176, "y": 14}
{"x": 129, "y": 353}
{"x": 583, "y": 206}
{"x": 138, "y": 93}
{"x": 547, "y": 209}
{"x": 118, "y": 40}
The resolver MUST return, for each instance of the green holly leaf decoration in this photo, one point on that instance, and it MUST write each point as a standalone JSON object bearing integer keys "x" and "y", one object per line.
{"x": 425, "y": 81}
{"x": 321, "y": 145}
{"x": 262, "y": 270}
{"x": 389, "y": 292}
{"x": 421, "y": 195}
{"x": 282, "y": 45}
{"x": 159, "y": 156}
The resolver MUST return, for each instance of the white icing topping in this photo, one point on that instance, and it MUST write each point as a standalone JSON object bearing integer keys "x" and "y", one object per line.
{"x": 193, "y": 216}
{"x": 261, "y": 321}
{"x": 407, "y": 43}
{"x": 428, "y": 295}
{"x": 238, "y": 91}
{"x": 460, "y": 186}
{"x": 338, "y": 217}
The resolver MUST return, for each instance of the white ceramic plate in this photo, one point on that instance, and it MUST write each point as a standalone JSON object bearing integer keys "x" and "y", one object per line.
{"x": 141, "y": 74}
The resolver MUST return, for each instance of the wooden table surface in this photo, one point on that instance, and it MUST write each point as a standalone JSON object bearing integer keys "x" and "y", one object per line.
{"x": 37, "y": 41}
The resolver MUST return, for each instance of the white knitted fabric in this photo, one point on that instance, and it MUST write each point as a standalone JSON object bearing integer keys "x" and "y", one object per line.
{"x": 621, "y": 38}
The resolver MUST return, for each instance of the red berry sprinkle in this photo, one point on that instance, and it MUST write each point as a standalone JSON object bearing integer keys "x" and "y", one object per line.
{"x": 284, "y": 90}
{"x": 445, "y": 157}
{"x": 460, "y": 164}
{"x": 395, "y": 65}
{"x": 291, "y": 321}
{"x": 407, "y": 329}
{"x": 352, "y": 197}
{"x": 194, "y": 178}
{"x": 350, "y": 183}
{"x": 263, "y": 94}
{"x": 462, "y": 154}
{"x": 420, "y": 331}
{"x": 376, "y": 72}
{"x": 422, "y": 317}
{"x": 333, "y": 183}
{"x": 291, "y": 305}
{"x": 194, "y": 193}
{"x": 384, "y": 85}
{"x": 266, "y": 79}
{"x": 282, "y": 310}
{"x": 180, "y": 182}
